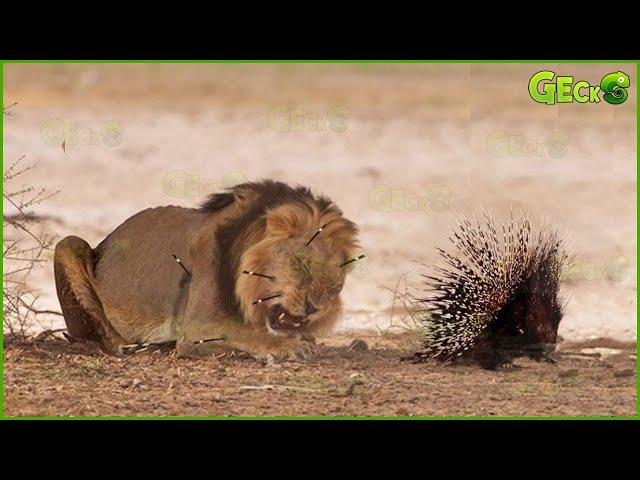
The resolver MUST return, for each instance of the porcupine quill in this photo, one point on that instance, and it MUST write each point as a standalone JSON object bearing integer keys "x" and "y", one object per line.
{"x": 247, "y": 272}
{"x": 359, "y": 257}
{"x": 316, "y": 234}
{"x": 260, "y": 300}
{"x": 141, "y": 347}
{"x": 181, "y": 264}
{"x": 497, "y": 298}
{"x": 206, "y": 340}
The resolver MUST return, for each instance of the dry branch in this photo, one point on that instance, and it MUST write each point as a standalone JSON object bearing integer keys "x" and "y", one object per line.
{"x": 24, "y": 246}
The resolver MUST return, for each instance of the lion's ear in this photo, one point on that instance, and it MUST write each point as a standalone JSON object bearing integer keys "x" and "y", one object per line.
{"x": 217, "y": 201}
{"x": 240, "y": 194}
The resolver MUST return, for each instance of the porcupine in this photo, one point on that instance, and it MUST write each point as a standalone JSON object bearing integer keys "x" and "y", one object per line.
{"x": 497, "y": 298}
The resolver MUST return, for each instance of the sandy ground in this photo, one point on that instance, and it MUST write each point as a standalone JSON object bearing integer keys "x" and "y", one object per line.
{"x": 404, "y": 150}
{"x": 54, "y": 378}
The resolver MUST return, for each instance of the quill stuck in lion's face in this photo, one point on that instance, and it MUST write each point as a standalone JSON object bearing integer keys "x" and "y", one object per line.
{"x": 305, "y": 291}
{"x": 300, "y": 273}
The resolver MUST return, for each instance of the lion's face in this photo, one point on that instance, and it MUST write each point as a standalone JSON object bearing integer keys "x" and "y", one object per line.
{"x": 307, "y": 279}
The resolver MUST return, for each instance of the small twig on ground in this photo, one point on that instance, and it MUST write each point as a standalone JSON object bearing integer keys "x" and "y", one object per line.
{"x": 263, "y": 388}
{"x": 578, "y": 354}
{"x": 48, "y": 333}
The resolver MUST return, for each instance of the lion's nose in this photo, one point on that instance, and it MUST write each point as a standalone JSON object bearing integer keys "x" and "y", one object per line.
{"x": 309, "y": 308}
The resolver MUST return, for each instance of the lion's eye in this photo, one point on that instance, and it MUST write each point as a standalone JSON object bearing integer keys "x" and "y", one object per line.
{"x": 336, "y": 288}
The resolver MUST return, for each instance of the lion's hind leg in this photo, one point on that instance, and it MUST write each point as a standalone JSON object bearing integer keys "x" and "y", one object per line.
{"x": 81, "y": 307}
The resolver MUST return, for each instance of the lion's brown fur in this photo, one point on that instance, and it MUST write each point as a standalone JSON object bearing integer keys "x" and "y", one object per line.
{"x": 291, "y": 221}
{"x": 254, "y": 226}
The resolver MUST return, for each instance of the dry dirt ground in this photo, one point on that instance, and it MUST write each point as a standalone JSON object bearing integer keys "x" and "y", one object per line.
{"x": 55, "y": 378}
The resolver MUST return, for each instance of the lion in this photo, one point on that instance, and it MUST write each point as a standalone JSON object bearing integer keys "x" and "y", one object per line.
{"x": 258, "y": 268}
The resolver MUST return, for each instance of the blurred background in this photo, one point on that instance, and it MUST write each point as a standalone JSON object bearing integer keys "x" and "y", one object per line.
{"x": 403, "y": 149}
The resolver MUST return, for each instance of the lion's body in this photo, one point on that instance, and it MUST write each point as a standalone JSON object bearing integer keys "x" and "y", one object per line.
{"x": 142, "y": 289}
{"x": 130, "y": 289}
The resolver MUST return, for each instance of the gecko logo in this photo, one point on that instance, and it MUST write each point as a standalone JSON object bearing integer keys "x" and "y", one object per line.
{"x": 546, "y": 87}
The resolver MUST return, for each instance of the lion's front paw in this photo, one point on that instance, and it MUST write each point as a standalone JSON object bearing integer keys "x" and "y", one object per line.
{"x": 291, "y": 349}
{"x": 305, "y": 350}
